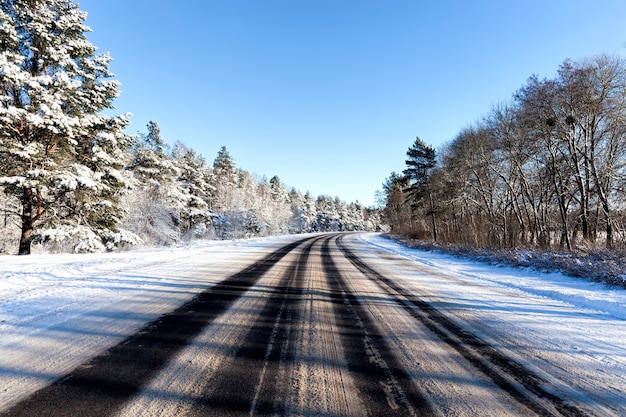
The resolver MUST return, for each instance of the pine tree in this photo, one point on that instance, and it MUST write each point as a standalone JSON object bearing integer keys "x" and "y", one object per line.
{"x": 61, "y": 158}
{"x": 157, "y": 199}
{"x": 150, "y": 164}
{"x": 224, "y": 179}
{"x": 224, "y": 165}
{"x": 278, "y": 191}
{"x": 194, "y": 180}
{"x": 309, "y": 212}
{"x": 421, "y": 160}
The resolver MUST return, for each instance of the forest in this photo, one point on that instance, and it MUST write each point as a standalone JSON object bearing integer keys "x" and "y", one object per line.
{"x": 171, "y": 195}
{"x": 546, "y": 170}
{"x": 73, "y": 180}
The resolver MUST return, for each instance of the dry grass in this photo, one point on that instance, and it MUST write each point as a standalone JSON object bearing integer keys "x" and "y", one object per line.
{"x": 594, "y": 264}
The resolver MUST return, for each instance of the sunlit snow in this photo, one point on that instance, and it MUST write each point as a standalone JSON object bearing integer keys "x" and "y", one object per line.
{"x": 57, "y": 311}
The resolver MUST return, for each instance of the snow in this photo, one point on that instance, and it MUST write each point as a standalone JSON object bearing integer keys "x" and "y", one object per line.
{"x": 575, "y": 292}
{"x": 570, "y": 331}
{"x": 57, "y": 311}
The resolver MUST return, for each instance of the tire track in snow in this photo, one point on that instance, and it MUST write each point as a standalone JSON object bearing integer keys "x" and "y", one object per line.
{"x": 256, "y": 380}
{"x": 518, "y": 381}
{"x": 102, "y": 386}
{"x": 384, "y": 386}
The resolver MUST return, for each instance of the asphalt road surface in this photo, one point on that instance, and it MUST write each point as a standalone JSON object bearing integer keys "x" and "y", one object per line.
{"x": 315, "y": 328}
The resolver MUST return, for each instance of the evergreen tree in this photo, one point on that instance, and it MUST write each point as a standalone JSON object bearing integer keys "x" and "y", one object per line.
{"x": 421, "y": 160}
{"x": 299, "y": 221}
{"x": 158, "y": 199}
{"x": 279, "y": 193}
{"x": 151, "y": 164}
{"x": 61, "y": 158}
{"x": 194, "y": 180}
{"x": 307, "y": 218}
{"x": 224, "y": 165}
{"x": 224, "y": 179}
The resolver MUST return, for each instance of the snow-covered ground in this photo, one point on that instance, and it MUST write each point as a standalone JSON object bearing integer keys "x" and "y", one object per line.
{"x": 56, "y": 311}
{"x": 570, "y": 331}
{"x": 575, "y": 292}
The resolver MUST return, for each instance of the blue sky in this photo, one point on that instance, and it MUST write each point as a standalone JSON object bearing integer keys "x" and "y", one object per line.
{"x": 330, "y": 94}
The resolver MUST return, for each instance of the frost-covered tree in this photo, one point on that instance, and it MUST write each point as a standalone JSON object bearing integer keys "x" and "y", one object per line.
{"x": 299, "y": 221}
{"x": 309, "y": 212}
{"x": 157, "y": 198}
{"x": 326, "y": 216}
{"x": 278, "y": 190}
{"x": 61, "y": 158}
{"x": 224, "y": 179}
{"x": 151, "y": 164}
{"x": 194, "y": 181}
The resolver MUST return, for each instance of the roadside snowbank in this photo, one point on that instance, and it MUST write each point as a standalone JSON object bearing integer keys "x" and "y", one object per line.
{"x": 610, "y": 300}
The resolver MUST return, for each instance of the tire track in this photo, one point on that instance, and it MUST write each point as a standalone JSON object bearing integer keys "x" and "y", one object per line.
{"x": 256, "y": 381}
{"x": 384, "y": 386}
{"x": 102, "y": 386}
{"x": 518, "y": 381}
{"x": 322, "y": 385}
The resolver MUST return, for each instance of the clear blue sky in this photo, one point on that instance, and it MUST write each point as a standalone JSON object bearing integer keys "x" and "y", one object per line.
{"x": 329, "y": 94}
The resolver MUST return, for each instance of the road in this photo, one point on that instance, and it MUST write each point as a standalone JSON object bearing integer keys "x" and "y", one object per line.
{"x": 315, "y": 328}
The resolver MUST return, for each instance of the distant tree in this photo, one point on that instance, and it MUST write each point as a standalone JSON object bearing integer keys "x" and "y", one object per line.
{"x": 326, "y": 215}
{"x": 195, "y": 190}
{"x": 309, "y": 212}
{"x": 299, "y": 220}
{"x": 279, "y": 193}
{"x": 151, "y": 164}
{"x": 61, "y": 158}
{"x": 158, "y": 199}
{"x": 420, "y": 162}
{"x": 224, "y": 179}
{"x": 396, "y": 212}
{"x": 224, "y": 164}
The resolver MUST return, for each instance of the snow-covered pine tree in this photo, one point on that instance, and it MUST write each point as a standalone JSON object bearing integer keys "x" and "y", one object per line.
{"x": 309, "y": 212}
{"x": 157, "y": 199}
{"x": 194, "y": 180}
{"x": 276, "y": 208}
{"x": 299, "y": 222}
{"x": 278, "y": 190}
{"x": 224, "y": 179}
{"x": 61, "y": 158}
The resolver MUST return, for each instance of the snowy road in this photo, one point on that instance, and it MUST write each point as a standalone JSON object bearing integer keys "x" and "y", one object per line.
{"x": 324, "y": 325}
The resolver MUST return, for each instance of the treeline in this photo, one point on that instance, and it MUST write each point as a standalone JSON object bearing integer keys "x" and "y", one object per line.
{"x": 177, "y": 195}
{"x": 546, "y": 169}
{"x": 72, "y": 179}
{"x": 172, "y": 194}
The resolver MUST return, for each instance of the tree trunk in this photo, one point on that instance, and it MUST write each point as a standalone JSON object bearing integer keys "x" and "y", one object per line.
{"x": 27, "y": 222}
{"x": 432, "y": 214}
{"x": 609, "y": 224}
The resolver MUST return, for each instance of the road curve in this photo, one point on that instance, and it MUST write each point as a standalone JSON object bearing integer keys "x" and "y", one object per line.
{"x": 312, "y": 329}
